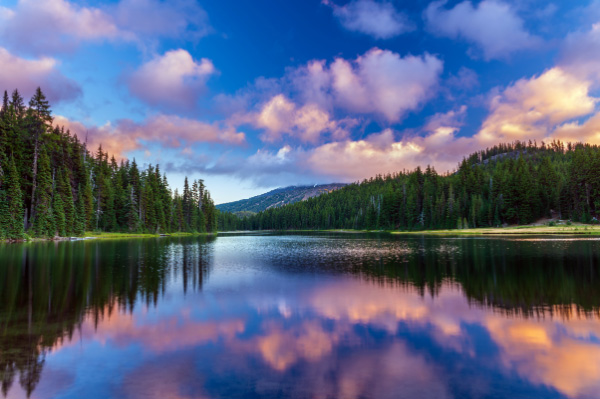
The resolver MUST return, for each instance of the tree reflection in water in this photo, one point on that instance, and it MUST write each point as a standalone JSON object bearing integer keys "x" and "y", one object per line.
{"x": 47, "y": 290}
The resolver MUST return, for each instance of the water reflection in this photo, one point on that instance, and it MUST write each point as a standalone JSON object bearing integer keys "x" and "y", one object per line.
{"x": 301, "y": 316}
{"x": 47, "y": 290}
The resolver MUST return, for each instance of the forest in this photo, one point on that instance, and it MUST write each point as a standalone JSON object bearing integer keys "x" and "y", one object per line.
{"x": 508, "y": 184}
{"x": 51, "y": 185}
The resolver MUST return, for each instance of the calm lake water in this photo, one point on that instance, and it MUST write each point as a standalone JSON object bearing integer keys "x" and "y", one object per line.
{"x": 301, "y": 316}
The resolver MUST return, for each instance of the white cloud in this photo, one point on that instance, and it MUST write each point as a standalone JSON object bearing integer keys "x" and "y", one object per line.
{"x": 379, "y": 82}
{"x": 51, "y": 26}
{"x": 581, "y": 54}
{"x": 381, "y": 153}
{"x": 169, "y": 130}
{"x": 378, "y": 19}
{"x": 28, "y": 74}
{"x": 308, "y": 123}
{"x": 532, "y": 108}
{"x": 172, "y": 18}
{"x": 384, "y": 83}
{"x": 493, "y": 26}
{"x": 174, "y": 79}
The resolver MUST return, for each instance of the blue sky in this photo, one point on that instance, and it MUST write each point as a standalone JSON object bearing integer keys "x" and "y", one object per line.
{"x": 254, "y": 95}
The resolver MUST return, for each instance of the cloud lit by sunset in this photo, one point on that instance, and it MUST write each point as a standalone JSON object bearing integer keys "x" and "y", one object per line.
{"x": 220, "y": 90}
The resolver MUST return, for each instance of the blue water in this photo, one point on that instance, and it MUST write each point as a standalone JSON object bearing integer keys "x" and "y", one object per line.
{"x": 301, "y": 316}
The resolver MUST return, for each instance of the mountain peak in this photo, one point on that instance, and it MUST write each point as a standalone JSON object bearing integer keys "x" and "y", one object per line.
{"x": 279, "y": 197}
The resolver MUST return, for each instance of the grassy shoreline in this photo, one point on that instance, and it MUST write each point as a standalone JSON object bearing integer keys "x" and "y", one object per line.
{"x": 561, "y": 229}
{"x": 108, "y": 235}
{"x": 574, "y": 229}
{"x": 90, "y": 235}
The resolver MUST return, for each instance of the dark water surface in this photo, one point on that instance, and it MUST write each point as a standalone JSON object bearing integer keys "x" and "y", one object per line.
{"x": 301, "y": 316}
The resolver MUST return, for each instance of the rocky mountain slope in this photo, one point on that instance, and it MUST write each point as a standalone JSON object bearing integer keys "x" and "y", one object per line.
{"x": 278, "y": 197}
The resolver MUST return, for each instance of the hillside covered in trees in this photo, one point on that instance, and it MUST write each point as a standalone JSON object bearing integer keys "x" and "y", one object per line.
{"x": 51, "y": 185}
{"x": 278, "y": 197}
{"x": 508, "y": 184}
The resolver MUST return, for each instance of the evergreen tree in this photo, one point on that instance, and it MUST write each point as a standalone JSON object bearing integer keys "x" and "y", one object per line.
{"x": 80, "y": 222}
{"x": 58, "y": 212}
{"x": 14, "y": 229}
{"x": 69, "y": 206}
{"x": 65, "y": 190}
{"x": 43, "y": 224}
{"x": 40, "y": 120}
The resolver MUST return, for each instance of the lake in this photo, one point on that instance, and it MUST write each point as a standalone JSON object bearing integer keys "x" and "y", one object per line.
{"x": 301, "y": 316}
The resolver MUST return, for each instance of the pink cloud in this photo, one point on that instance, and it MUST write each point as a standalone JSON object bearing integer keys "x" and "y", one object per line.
{"x": 344, "y": 159}
{"x": 168, "y": 130}
{"x": 174, "y": 79}
{"x": 50, "y": 26}
{"x": 587, "y": 131}
{"x": 53, "y": 25}
{"x": 378, "y": 19}
{"x": 381, "y": 153}
{"x": 172, "y": 18}
{"x": 280, "y": 116}
{"x": 533, "y": 108}
{"x": 384, "y": 83}
{"x": 281, "y": 348}
{"x": 352, "y": 160}
{"x": 544, "y": 107}
{"x": 560, "y": 353}
{"x": 26, "y": 75}
{"x": 174, "y": 333}
{"x": 581, "y": 54}
{"x": 379, "y": 82}
{"x": 493, "y": 26}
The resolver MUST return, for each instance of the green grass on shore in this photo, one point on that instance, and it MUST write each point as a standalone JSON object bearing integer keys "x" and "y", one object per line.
{"x": 537, "y": 229}
{"x": 541, "y": 229}
{"x": 574, "y": 229}
{"x": 560, "y": 229}
{"x": 107, "y": 235}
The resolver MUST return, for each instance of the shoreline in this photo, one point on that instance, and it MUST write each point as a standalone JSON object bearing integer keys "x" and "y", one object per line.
{"x": 572, "y": 230}
{"x": 90, "y": 236}
{"x": 575, "y": 229}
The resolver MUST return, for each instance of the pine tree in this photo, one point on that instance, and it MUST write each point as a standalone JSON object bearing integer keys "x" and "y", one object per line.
{"x": 4, "y": 210}
{"x": 58, "y": 212}
{"x": 88, "y": 201}
{"x": 43, "y": 224}
{"x": 14, "y": 229}
{"x": 69, "y": 206}
{"x": 132, "y": 210}
{"x": 79, "y": 228}
{"x": 5, "y": 103}
{"x": 66, "y": 190}
{"x": 40, "y": 120}
{"x": 187, "y": 205}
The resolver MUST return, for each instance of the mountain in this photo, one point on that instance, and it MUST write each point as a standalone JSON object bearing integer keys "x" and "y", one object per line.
{"x": 278, "y": 197}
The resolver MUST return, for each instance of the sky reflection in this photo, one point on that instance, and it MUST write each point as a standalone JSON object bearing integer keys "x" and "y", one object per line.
{"x": 278, "y": 334}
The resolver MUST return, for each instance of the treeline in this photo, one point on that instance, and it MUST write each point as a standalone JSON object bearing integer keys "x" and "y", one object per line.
{"x": 51, "y": 185}
{"x": 515, "y": 183}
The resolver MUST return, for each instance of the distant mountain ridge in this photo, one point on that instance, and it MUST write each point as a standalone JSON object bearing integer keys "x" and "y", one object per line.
{"x": 278, "y": 197}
